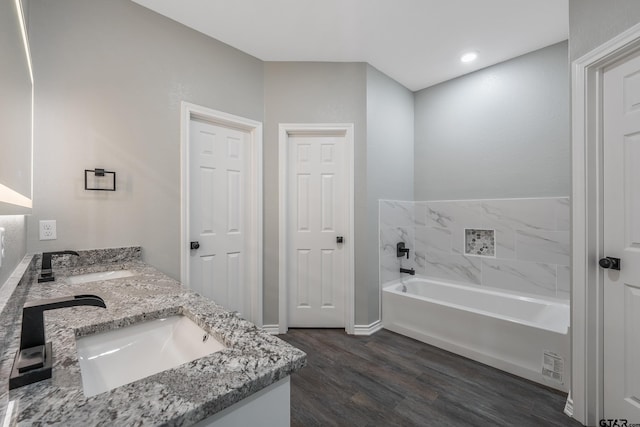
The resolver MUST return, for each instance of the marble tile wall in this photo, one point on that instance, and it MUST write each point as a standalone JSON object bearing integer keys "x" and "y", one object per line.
{"x": 532, "y": 249}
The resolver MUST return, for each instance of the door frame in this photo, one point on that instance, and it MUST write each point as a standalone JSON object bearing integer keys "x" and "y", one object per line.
{"x": 254, "y": 128}
{"x": 586, "y": 400}
{"x": 285, "y": 130}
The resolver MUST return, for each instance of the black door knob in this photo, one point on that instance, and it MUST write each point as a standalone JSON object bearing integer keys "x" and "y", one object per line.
{"x": 195, "y": 245}
{"x": 609, "y": 262}
{"x": 340, "y": 239}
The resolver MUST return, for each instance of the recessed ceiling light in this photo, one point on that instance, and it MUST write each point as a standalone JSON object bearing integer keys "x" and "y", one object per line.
{"x": 469, "y": 57}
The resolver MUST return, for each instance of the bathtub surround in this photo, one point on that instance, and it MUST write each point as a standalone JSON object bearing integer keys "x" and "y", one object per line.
{"x": 531, "y": 242}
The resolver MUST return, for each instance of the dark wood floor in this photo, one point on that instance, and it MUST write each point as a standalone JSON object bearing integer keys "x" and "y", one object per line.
{"x": 390, "y": 380}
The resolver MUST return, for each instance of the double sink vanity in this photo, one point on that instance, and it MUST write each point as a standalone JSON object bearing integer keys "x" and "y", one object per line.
{"x": 158, "y": 354}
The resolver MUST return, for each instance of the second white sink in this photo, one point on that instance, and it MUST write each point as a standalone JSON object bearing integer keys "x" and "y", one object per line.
{"x": 104, "y": 275}
{"x": 115, "y": 358}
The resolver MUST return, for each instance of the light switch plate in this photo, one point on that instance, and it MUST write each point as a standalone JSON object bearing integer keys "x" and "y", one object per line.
{"x": 48, "y": 229}
{"x": 1, "y": 245}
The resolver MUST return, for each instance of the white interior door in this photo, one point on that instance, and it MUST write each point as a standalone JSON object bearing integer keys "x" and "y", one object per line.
{"x": 219, "y": 213}
{"x": 317, "y": 212}
{"x": 622, "y": 240}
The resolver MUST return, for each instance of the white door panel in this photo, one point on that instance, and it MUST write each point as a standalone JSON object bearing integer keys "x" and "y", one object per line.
{"x": 318, "y": 214}
{"x": 622, "y": 240}
{"x": 218, "y": 217}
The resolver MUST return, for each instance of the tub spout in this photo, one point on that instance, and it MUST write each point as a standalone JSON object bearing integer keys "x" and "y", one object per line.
{"x": 410, "y": 271}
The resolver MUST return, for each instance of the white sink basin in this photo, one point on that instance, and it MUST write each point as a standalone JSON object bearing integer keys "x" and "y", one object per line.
{"x": 104, "y": 275}
{"x": 115, "y": 358}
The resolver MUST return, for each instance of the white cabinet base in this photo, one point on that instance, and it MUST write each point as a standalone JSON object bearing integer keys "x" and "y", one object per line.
{"x": 268, "y": 407}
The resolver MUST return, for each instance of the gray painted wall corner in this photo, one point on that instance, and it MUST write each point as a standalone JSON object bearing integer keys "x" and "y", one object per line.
{"x": 390, "y": 165}
{"x": 593, "y": 22}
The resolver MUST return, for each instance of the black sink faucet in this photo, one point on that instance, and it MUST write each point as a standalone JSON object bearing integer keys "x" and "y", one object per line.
{"x": 46, "y": 275}
{"x": 33, "y": 361}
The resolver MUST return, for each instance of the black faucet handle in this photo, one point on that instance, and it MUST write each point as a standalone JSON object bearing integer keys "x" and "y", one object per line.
{"x": 401, "y": 250}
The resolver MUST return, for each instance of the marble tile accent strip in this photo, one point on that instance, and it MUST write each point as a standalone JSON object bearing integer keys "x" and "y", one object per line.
{"x": 389, "y": 268}
{"x": 420, "y": 212}
{"x": 564, "y": 282}
{"x": 521, "y": 276}
{"x": 432, "y": 238}
{"x": 551, "y": 247}
{"x": 563, "y": 214}
{"x": 390, "y": 236}
{"x": 458, "y": 268}
{"x": 396, "y": 213}
{"x": 420, "y": 260}
{"x": 524, "y": 214}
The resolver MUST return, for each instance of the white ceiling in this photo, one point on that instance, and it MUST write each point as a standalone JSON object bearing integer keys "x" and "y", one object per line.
{"x": 416, "y": 42}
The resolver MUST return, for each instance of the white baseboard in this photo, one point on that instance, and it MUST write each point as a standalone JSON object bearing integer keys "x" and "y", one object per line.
{"x": 367, "y": 329}
{"x": 568, "y": 407}
{"x": 272, "y": 329}
{"x": 357, "y": 329}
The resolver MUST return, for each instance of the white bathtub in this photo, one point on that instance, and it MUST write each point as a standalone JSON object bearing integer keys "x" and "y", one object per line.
{"x": 502, "y": 330}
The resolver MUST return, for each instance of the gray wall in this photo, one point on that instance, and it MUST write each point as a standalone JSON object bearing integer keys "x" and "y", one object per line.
{"x": 389, "y": 162}
{"x": 15, "y": 238}
{"x": 309, "y": 92}
{"x": 593, "y": 22}
{"x": 110, "y": 77}
{"x": 500, "y": 132}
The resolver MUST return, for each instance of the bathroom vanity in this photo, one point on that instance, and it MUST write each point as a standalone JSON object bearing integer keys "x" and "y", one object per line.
{"x": 245, "y": 379}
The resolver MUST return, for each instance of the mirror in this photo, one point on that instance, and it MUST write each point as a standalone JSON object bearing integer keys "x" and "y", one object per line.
{"x": 16, "y": 111}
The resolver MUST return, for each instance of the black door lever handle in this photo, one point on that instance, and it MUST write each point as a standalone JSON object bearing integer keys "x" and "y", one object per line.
{"x": 609, "y": 262}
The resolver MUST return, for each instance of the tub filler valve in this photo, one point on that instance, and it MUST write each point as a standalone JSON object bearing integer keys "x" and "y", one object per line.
{"x": 410, "y": 271}
{"x": 401, "y": 250}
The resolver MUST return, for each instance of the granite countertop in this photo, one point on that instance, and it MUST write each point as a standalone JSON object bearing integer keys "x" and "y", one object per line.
{"x": 181, "y": 396}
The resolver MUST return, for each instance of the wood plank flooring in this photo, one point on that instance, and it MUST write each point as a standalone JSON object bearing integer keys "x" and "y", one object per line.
{"x": 390, "y": 380}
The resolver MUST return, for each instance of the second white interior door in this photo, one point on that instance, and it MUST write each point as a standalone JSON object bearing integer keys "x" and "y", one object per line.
{"x": 317, "y": 215}
{"x": 219, "y": 213}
